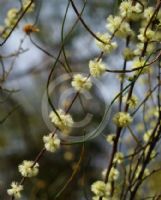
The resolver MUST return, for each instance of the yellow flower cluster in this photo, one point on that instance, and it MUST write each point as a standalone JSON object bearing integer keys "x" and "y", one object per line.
{"x": 107, "y": 46}
{"x": 52, "y": 143}
{"x": 153, "y": 152}
{"x": 114, "y": 174}
{"x": 28, "y": 168}
{"x": 101, "y": 189}
{"x": 81, "y": 83}
{"x": 152, "y": 113}
{"x": 128, "y": 54}
{"x": 118, "y": 158}
{"x": 147, "y": 135}
{"x": 25, "y": 4}
{"x": 146, "y": 171}
{"x": 15, "y": 190}
{"x": 142, "y": 64}
{"x": 122, "y": 119}
{"x": 123, "y": 28}
{"x": 149, "y": 35}
{"x": 110, "y": 138}
{"x": 129, "y": 10}
{"x": 132, "y": 102}
{"x": 64, "y": 122}
{"x": 97, "y": 67}
{"x": 12, "y": 16}
{"x": 148, "y": 12}
{"x": 140, "y": 46}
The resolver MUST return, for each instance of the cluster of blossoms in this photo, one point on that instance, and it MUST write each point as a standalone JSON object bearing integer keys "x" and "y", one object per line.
{"x": 12, "y": 16}
{"x": 142, "y": 64}
{"x": 101, "y": 189}
{"x": 62, "y": 120}
{"x": 146, "y": 171}
{"x": 116, "y": 24}
{"x": 119, "y": 26}
{"x": 28, "y": 168}
{"x": 97, "y": 67}
{"x": 25, "y": 4}
{"x": 81, "y": 83}
{"x": 128, "y": 54}
{"x": 15, "y": 190}
{"x": 148, "y": 36}
{"x": 138, "y": 170}
{"x": 147, "y": 135}
{"x": 105, "y": 43}
{"x": 52, "y": 143}
{"x": 153, "y": 153}
{"x": 152, "y": 113}
{"x": 132, "y": 101}
{"x": 110, "y": 138}
{"x": 118, "y": 158}
{"x": 129, "y": 10}
{"x": 122, "y": 119}
{"x": 114, "y": 174}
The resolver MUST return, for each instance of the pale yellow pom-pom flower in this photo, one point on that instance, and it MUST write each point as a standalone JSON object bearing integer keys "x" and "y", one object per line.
{"x": 114, "y": 174}
{"x": 28, "y": 169}
{"x": 52, "y": 143}
{"x": 110, "y": 138}
{"x": 107, "y": 46}
{"x": 97, "y": 68}
{"x": 132, "y": 101}
{"x": 122, "y": 119}
{"x": 64, "y": 122}
{"x": 81, "y": 83}
{"x": 15, "y": 190}
{"x": 101, "y": 189}
{"x": 118, "y": 158}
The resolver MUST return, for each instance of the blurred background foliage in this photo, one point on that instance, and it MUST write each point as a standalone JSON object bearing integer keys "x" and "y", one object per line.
{"x": 21, "y": 123}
